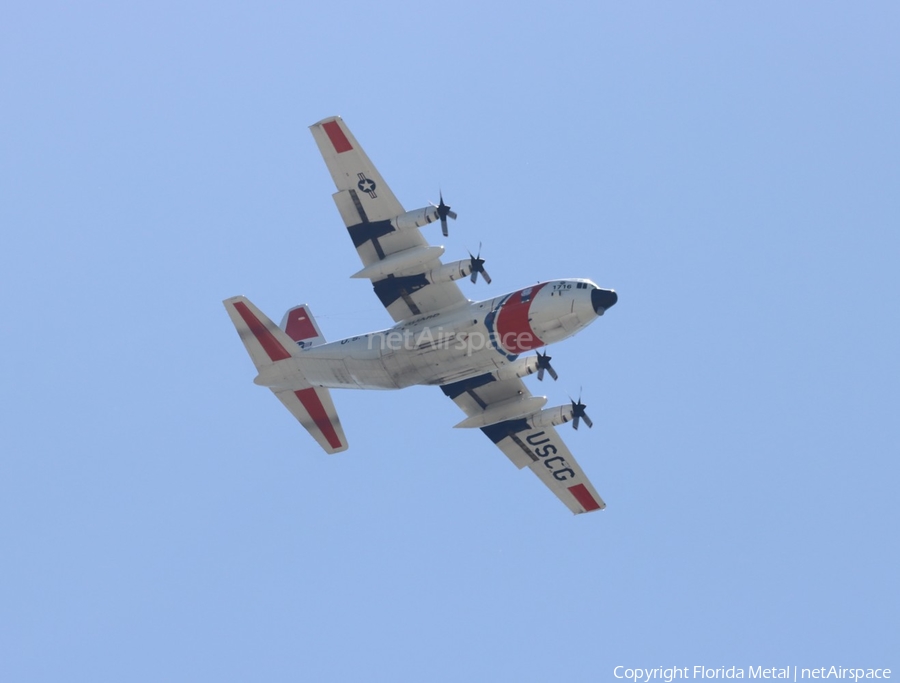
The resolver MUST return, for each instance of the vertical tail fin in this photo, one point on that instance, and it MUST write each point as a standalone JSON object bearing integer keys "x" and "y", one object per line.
{"x": 300, "y": 326}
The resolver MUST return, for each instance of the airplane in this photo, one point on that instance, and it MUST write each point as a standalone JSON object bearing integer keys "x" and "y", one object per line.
{"x": 472, "y": 350}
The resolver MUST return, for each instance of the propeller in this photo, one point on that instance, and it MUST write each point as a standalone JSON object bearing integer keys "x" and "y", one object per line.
{"x": 444, "y": 211}
{"x": 477, "y": 264}
{"x": 543, "y": 363}
{"x": 579, "y": 414}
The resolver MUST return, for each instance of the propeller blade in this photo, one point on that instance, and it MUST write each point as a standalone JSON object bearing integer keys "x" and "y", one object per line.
{"x": 443, "y": 212}
{"x": 578, "y": 412}
{"x": 477, "y": 265}
{"x": 544, "y": 364}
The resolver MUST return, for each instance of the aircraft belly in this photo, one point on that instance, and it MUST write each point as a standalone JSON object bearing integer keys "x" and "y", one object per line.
{"x": 463, "y": 367}
{"x": 327, "y": 372}
{"x": 439, "y": 366}
{"x": 400, "y": 365}
{"x": 347, "y": 365}
{"x": 370, "y": 373}
{"x": 446, "y": 349}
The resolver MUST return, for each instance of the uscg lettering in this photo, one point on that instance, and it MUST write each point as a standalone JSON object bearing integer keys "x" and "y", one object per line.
{"x": 557, "y": 464}
{"x": 531, "y": 438}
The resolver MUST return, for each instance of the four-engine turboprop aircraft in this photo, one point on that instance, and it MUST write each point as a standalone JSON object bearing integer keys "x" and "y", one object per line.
{"x": 471, "y": 349}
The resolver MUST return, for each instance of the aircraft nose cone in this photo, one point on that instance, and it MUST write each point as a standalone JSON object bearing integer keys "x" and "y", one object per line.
{"x": 601, "y": 299}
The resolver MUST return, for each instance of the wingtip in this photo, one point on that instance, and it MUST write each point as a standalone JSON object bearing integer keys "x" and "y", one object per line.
{"x": 327, "y": 119}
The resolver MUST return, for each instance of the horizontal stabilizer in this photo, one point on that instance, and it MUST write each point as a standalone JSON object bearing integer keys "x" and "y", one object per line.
{"x": 265, "y": 341}
{"x": 315, "y": 410}
{"x": 279, "y": 361}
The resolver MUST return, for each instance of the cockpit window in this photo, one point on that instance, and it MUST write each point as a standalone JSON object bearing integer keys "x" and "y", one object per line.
{"x": 526, "y": 295}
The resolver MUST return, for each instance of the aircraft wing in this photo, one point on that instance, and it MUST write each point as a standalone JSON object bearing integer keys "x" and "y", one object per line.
{"x": 540, "y": 449}
{"x": 368, "y": 206}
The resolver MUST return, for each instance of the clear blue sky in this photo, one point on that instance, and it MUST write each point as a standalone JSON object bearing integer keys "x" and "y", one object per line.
{"x": 731, "y": 169}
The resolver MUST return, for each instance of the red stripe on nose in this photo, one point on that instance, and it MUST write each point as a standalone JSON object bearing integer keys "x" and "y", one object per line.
{"x": 513, "y": 327}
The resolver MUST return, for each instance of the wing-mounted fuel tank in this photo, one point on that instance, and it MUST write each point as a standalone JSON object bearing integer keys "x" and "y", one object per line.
{"x": 511, "y": 409}
{"x": 406, "y": 261}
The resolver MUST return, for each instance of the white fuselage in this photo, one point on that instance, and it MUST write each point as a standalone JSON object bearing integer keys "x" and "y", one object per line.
{"x": 465, "y": 341}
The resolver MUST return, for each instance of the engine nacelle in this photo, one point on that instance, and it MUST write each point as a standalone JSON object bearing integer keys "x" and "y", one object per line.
{"x": 519, "y": 368}
{"x": 552, "y": 417}
{"x": 416, "y": 219}
{"x": 450, "y": 272}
